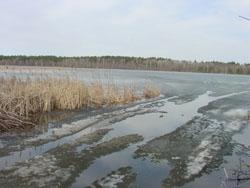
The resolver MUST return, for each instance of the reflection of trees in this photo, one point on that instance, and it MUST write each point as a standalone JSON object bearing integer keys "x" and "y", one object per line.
{"x": 201, "y": 143}
{"x": 14, "y": 138}
{"x": 44, "y": 119}
{"x": 60, "y": 166}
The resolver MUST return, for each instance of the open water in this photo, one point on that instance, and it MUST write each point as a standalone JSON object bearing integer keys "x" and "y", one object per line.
{"x": 194, "y": 135}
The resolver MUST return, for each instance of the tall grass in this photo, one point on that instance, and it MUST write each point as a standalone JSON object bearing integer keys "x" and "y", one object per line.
{"x": 38, "y": 95}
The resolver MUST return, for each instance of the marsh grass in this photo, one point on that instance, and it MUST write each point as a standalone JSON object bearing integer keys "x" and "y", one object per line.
{"x": 45, "y": 94}
{"x": 151, "y": 92}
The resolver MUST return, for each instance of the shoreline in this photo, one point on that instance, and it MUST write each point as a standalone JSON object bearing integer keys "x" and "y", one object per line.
{"x": 69, "y": 69}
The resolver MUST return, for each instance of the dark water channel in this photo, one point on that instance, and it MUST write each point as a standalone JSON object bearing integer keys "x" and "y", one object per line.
{"x": 187, "y": 137}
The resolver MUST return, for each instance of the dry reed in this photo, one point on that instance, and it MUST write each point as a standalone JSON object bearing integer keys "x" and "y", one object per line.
{"x": 31, "y": 96}
{"x": 11, "y": 121}
{"x": 151, "y": 92}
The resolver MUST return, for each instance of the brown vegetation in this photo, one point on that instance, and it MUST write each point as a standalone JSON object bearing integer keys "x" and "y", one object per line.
{"x": 151, "y": 92}
{"x": 31, "y": 96}
{"x": 9, "y": 121}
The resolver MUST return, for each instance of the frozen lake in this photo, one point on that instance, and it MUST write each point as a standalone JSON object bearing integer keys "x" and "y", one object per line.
{"x": 184, "y": 138}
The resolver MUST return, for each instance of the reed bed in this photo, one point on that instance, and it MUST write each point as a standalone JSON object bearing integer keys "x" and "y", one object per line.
{"x": 31, "y": 96}
{"x": 21, "y": 98}
{"x": 33, "y": 69}
{"x": 151, "y": 92}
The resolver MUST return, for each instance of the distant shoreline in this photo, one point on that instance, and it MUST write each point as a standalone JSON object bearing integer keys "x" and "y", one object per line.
{"x": 127, "y": 63}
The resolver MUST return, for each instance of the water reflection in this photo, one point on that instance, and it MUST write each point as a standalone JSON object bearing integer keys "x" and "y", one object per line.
{"x": 195, "y": 148}
{"x": 54, "y": 167}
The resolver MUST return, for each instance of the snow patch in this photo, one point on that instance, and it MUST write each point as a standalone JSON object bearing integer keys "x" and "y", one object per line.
{"x": 234, "y": 126}
{"x": 65, "y": 130}
{"x": 198, "y": 162}
{"x": 176, "y": 158}
{"x": 112, "y": 181}
{"x": 237, "y": 113}
{"x": 112, "y": 117}
{"x": 42, "y": 166}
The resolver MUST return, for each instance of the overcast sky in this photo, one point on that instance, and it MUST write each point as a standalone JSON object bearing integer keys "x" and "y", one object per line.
{"x": 177, "y": 29}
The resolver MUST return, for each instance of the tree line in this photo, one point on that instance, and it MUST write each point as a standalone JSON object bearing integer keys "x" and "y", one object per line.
{"x": 131, "y": 63}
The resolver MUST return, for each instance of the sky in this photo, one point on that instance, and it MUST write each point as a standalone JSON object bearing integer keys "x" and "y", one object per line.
{"x": 201, "y": 30}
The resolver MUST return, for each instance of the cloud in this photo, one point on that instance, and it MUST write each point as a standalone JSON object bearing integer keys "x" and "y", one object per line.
{"x": 194, "y": 29}
{"x": 136, "y": 15}
{"x": 238, "y": 6}
{"x": 67, "y": 7}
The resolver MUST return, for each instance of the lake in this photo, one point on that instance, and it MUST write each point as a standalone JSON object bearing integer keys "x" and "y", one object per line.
{"x": 194, "y": 135}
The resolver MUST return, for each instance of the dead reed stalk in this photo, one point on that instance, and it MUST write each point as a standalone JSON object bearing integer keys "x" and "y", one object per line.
{"x": 31, "y": 96}
{"x": 151, "y": 92}
{"x": 9, "y": 121}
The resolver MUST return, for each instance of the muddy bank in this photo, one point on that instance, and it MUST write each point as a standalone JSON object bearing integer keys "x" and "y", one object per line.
{"x": 192, "y": 149}
{"x": 60, "y": 166}
{"x": 108, "y": 118}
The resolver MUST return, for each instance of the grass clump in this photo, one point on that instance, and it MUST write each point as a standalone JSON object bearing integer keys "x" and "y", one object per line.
{"x": 31, "y": 96}
{"x": 151, "y": 92}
